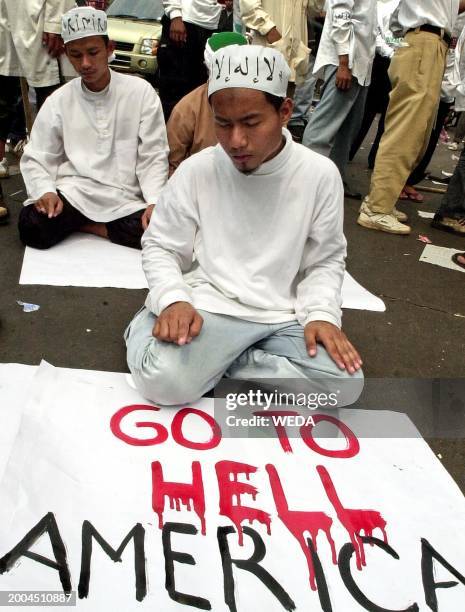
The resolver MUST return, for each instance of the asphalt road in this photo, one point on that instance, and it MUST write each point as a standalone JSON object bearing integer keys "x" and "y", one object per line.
{"x": 420, "y": 337}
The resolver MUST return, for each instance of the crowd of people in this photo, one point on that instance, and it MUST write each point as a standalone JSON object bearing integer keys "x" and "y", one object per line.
{"x": 202, "y": 173}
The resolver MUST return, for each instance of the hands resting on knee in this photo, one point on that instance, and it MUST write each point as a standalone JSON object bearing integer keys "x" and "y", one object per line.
{"x": 179, "y": 323}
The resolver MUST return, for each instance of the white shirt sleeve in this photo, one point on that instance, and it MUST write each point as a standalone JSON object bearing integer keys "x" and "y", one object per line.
{"x": 152, "y": 150}
{"x": 168, "y": 246}
{"x": 323, "y": 262}
{"x": 53, "y": 11}
{"x": 255, "y": 17}
{"x": 341, "y": 29}
{"x": 173, "y": 8}
{"x": 44, "y": 152}
{"x": 394, "y": 24}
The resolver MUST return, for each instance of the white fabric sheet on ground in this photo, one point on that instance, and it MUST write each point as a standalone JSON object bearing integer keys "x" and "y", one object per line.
{"x": 84, "y": 261}
{"x": 89, "y": 261}
{"x": 94, "y": 461}
{"x": 440, "y": 256}
{"x": 14, "y": 384}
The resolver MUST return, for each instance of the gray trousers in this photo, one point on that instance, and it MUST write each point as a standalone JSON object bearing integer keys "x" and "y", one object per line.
{"x": 303, "y": 96}
{"x": 168, "y": 374}
{"x": 336, "y": 121}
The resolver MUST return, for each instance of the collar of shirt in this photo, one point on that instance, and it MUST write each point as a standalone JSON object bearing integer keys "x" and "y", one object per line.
{"x": 96, "y": 95}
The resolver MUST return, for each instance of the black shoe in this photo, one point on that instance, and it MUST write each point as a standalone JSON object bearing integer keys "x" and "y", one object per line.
{"x": 4, "y": 213}
{"x": 349, "y": 193}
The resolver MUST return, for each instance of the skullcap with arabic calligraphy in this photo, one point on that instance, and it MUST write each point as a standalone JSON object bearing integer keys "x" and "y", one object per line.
{"x": 81, "y": 22}
{"x": 249, "y": 66}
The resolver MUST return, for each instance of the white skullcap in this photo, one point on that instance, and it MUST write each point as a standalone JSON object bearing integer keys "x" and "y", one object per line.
{"x": 249, "y": 66}
{"x": 83, "y": 21}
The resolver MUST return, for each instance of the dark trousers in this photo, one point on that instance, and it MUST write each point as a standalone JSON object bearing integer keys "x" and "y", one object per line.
{"x": 453, "y": 203}
{"x": 419, "y": 172}
{"x": 11, "y": 109}
{"x": 38, "y": 231}
{"x": 377, "y": 102}
{"x": 12, "y": 121}
{"x": 42, "y": 93}
{"x": 182, "y": 68}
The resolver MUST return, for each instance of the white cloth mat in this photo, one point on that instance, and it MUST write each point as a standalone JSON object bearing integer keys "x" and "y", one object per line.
{"x": 88, "y": 261}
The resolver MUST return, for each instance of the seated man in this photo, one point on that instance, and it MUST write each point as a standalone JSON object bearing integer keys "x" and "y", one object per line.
{"x": 263, "y": 217}
{"x": 98, "y": 153}
{"x": 191, "y": 127}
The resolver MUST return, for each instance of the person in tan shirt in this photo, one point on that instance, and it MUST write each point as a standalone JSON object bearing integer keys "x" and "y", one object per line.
{"x": 282, "y": 24}
{"x": 191, "y": 127}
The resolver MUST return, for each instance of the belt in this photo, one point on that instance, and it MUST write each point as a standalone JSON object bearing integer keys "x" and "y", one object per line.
{"x": 434, "y": 30}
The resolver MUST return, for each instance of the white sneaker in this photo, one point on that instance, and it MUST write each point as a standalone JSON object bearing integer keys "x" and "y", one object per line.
{"x": 381, "y": 222}
{"x": 398, "y": 214}
{"x": 453, "y": 146}
{"x": 4, "y": 172}
{"x": 18, "y": 149}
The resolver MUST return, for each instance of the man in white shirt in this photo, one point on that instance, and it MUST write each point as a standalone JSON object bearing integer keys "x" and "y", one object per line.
{"x": 187, "y": 25}
{"x": 344, "y": 60}
{"x": 249, "y": 283}
{"x": 378, "y": 93}
{"x": 98, "y": 150}
{"x": 416, "y": 73}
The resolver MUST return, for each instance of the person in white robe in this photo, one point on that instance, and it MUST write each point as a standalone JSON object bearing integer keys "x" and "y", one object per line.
{"x": 249, "y": 283}
{"x": 30, "y": 41}
{"x": 344, "y": 60}
{"x": 98, "y": 154}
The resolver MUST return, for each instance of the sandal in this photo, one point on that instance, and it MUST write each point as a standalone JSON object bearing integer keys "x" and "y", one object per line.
{"x": 455, "y": 259}
{"x": 409, "y": 193}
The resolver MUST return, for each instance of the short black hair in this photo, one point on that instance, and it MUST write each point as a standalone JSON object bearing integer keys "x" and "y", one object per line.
{"x": 275, "y": 101}
{"x": 106, "y": 40}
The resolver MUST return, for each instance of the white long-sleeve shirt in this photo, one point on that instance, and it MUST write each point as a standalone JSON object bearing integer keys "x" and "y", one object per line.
{"x": 204, "y": 13}
{"x": 384, "y": 37}
{"x": 415, "y": 13}
{"x": 350, "y": 29}
{"x": 269, "y": 246}
{"x": 107, "y": 152}
{"x": 453, "y": 84}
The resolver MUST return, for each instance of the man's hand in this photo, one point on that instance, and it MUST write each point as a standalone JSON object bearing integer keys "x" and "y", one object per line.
{"x": 145, "y": 219}
{"x": 335, "y": 342}
{"x": 178, "y": 323}
{"x": 49, "y": 204}
{"x": 273, "y": 36}
{"x": 54, "y": 44}
{"x": 343, "y": 74}
{"x": 178, "y": 32}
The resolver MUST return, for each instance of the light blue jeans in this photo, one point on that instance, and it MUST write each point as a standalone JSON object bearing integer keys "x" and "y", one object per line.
{"x": 336, "y": 120}
{"x": 303, "y": 96}
{"x": 168, "y": 374}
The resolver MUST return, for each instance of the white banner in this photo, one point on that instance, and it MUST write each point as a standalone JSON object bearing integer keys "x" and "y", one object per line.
{"x": 141, "y": 508}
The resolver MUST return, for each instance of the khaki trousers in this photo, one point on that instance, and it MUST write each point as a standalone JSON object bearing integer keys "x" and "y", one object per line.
{"x": 416, "y": 74}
